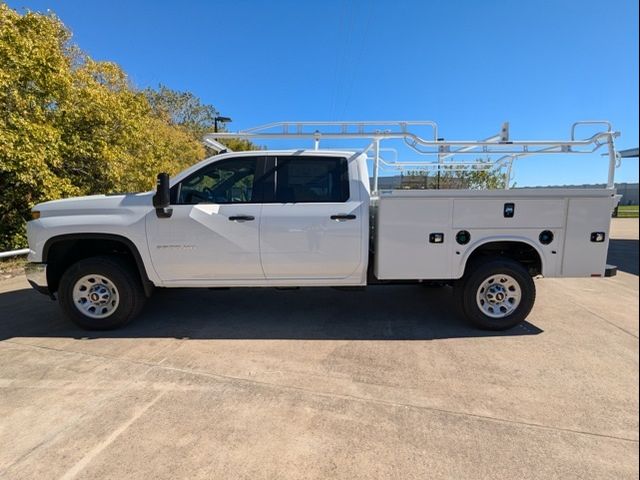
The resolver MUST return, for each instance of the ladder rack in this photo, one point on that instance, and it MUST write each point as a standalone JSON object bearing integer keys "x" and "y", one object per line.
{"x": 499, "y": 147}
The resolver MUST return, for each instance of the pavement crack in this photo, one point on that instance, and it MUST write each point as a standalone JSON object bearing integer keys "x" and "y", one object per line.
{"x": 401, "y": 404}
{"x": 230, "y": 378}
{"x": 78, "y": 418}
{"x": 606, "y": 320}
{"x": 96, "y": 450}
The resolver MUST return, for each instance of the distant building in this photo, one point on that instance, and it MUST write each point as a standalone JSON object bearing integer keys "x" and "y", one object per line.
{"x": 629, "y": 191}
{"x": 419, "y": 182}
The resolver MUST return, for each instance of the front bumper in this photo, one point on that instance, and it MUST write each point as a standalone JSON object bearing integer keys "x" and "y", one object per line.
{"x": 37, "y": 276}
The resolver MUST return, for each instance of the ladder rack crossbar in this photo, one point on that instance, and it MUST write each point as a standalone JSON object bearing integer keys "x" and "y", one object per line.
{"x": 345, "y": 128}
{"x": 432, "y": 145}
{"x": 393, "y": 135}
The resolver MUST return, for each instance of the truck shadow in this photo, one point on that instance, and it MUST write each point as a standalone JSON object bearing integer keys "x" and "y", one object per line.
{"x": 624, "y": 254}
{"x": 377, "y": 313}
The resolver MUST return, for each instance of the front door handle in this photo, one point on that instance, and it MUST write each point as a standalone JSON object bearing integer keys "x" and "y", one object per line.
{"x": 241, "y": 218}
{"x": 343, "y": 217}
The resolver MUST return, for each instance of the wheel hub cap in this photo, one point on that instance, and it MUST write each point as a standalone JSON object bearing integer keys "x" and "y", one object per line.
{"x": 499, "y": 295}
{"x": 95, "y": 296}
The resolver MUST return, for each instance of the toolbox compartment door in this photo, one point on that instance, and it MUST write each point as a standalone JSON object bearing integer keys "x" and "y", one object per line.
{"x": 408, "y": 239}
{"x": 490, "y": 213}
{"x": 584, "y": 257}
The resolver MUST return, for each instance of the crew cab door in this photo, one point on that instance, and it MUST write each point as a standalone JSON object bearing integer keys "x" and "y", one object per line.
{"x": 312, "y": 218}
{"x": 212, "y": 233}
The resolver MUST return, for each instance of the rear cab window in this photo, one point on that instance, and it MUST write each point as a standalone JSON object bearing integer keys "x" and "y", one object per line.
{"x": 310, "y": 179}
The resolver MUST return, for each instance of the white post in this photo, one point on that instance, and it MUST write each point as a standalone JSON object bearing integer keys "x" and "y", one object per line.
{"x": 14, "y": 253}
{"x": 376, "y": 160}
{"x": 612, "y": 162}
{"x": 507, "y": 175}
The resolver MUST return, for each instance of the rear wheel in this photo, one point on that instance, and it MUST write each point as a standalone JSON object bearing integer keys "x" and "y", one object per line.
{"x": 496, "y": 293}
{"x": 100, "y": 293}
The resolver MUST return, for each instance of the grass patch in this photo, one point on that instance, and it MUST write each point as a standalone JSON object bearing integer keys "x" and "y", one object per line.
{"x": 628, "y": 211}
{"x": 13, "y": 266}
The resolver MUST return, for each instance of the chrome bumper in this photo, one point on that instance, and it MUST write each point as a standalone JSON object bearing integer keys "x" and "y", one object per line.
{"x": 37, "y": 276}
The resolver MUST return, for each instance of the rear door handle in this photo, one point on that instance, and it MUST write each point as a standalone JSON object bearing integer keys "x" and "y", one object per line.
{"x": 343, "y": 217}
{"x": 241, "y": 218}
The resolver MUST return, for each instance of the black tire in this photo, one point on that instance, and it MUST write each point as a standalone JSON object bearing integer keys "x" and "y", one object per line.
{"x": 467, "y": 289}
{"x": 131, "y": 297}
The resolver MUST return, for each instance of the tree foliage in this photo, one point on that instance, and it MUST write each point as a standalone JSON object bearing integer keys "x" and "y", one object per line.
{"x": 480, "y": 178}
{"x": 70, "y": 125}
{"x": 187, "y": 111}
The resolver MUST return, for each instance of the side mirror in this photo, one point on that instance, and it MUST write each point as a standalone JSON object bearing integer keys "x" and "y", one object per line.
{"x": 162, "y": 199}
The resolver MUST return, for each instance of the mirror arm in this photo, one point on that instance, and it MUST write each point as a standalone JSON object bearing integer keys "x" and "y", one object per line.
{"x": 165, "y": 212}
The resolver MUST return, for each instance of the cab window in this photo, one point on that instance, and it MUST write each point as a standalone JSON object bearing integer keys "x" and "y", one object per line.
{"x": 311, "y": 179}
{"x": 226, "y": 181}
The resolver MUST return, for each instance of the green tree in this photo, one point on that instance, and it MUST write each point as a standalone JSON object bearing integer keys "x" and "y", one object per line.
{"x": 70, "y": 125}
{"x": 185, "y": 110}
{"x": 35, "y": 78}
{"x": 474, "y": 178}
{"x": 113, "y": 140}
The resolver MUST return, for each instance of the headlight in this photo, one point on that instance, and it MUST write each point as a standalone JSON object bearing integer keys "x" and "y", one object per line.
{"x": 35, "y": 214}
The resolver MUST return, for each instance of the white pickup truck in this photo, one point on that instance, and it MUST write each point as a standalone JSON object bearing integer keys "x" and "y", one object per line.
{"x": 308, "y": 218}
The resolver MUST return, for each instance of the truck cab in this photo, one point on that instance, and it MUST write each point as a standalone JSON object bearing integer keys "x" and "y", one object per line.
{"x": 256, "y": 219}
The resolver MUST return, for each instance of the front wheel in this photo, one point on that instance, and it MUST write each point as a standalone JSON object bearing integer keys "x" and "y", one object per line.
{"x": 496, "y": 293}
{"x": 100, "y": 293}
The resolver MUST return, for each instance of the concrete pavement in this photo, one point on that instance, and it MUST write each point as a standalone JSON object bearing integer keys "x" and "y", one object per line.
{"x": 319, "y": 383}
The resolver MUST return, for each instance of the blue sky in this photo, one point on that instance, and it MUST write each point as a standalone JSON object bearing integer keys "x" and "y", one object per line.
{"x": 469, "y": 65}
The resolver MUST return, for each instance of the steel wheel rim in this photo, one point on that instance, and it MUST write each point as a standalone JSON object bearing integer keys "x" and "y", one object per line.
{"x": 95, "y": 296}
{"x": 499, "y": 295}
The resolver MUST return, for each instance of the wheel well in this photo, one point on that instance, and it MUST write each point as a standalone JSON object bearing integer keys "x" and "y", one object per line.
{"x": 519, "y": 251}
{"x": 61, "y": 252}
